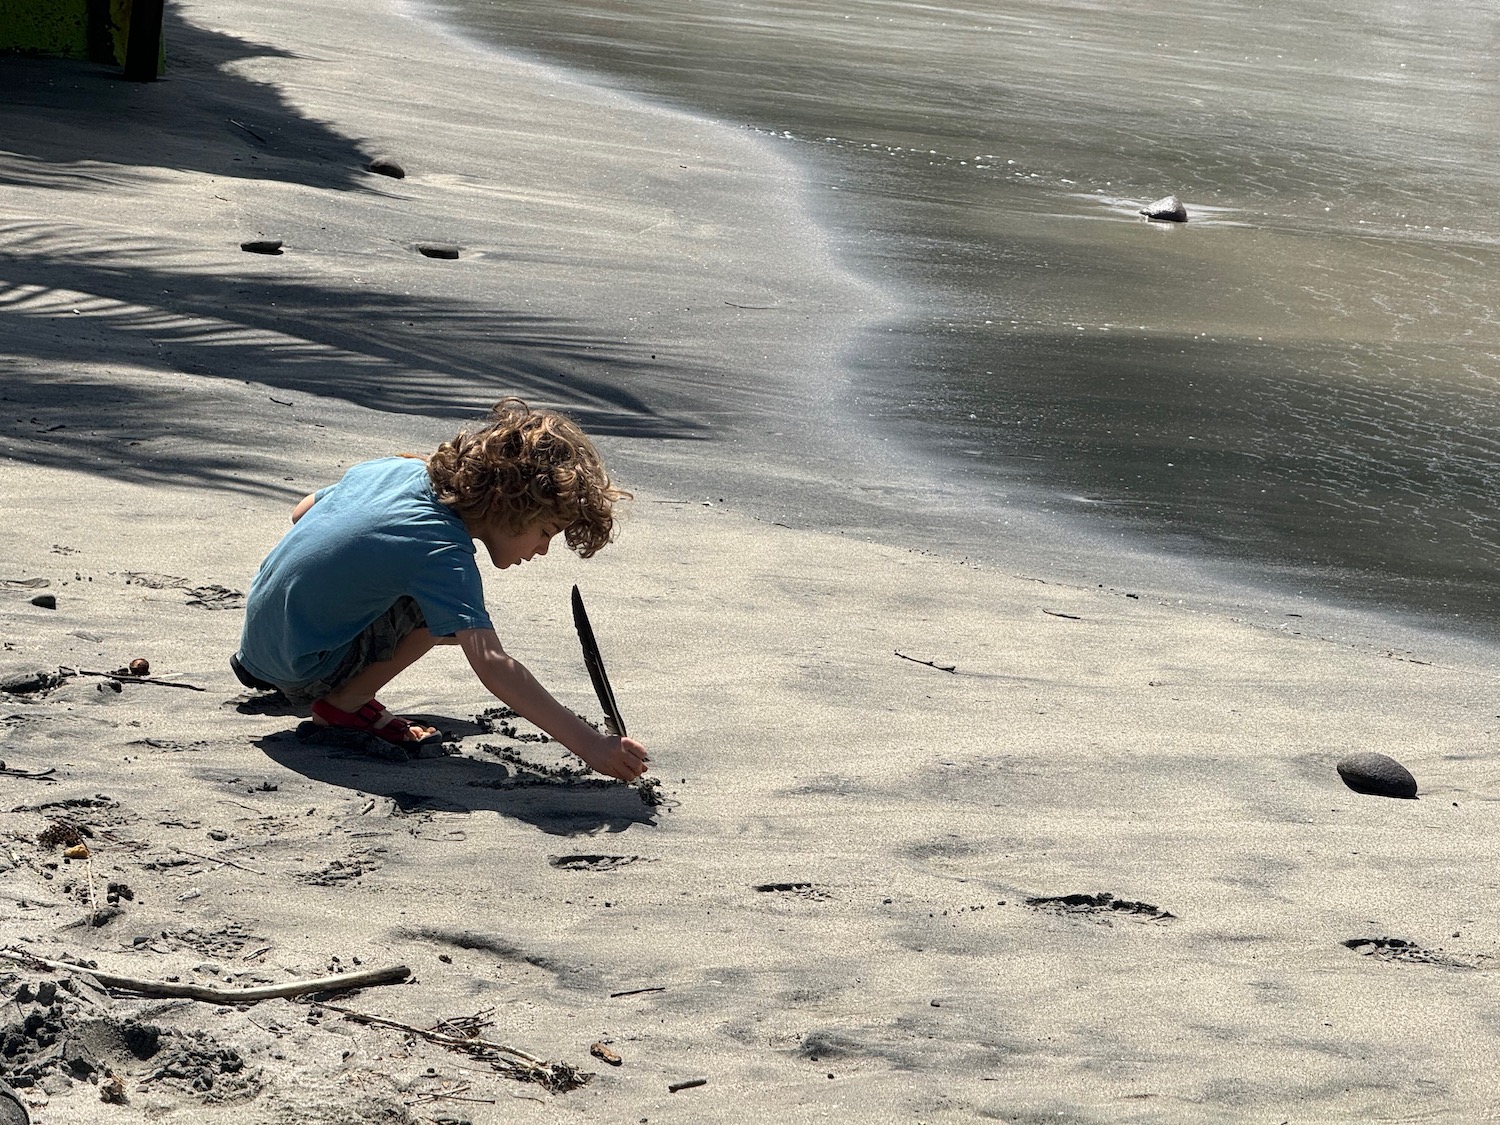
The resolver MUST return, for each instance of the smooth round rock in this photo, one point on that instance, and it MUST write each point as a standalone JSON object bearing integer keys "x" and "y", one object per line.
{"x": 437, "y": 250}
{"x": 1378, "y": 775}
{"x": 1168, "y": 209}
{"x": 45, "y": 601}
{"x": 262, "y": 246}
{"x": 385, "y": 166}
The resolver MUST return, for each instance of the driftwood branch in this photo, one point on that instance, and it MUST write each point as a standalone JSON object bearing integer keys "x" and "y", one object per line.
{"x": 210, "y": 994}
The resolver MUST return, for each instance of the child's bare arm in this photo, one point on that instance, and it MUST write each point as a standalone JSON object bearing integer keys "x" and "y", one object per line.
{"x": 509, "y": 681}
{"x": 303, "y": 505}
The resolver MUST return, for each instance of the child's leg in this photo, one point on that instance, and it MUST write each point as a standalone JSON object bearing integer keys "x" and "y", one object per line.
{"x": 367, "y": 682}
{"x": 393, "y": 643}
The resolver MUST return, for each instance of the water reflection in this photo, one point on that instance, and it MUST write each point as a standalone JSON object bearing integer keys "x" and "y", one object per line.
{"x": 1304, "y": 375}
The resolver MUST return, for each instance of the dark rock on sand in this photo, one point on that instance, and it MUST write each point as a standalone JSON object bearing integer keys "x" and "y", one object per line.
{"x": 437, "y": 250}
{"x": 262, "y": 246}
{"x": 46, "y": 601}
{"x": 1377, "y": 774}
{"x": 385, "y": 166}
{"x": 13, "y": 1111}
{"x": 28, "y": 681}
{"x": 1168, "y": 209}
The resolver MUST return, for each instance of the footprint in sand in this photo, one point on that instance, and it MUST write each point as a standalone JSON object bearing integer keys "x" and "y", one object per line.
{"x": 1408, "y": 952}
{"x": 799, "y": 890}
{"x": 1102, "y": 907}
{"x": 592, "y": 862}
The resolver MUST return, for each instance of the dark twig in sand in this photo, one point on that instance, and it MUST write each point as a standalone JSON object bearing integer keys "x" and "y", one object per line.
{"x": 636, "y": 991}
{"x": 246, "y": 128}
{"x": 30, "y": 775}
{"x": 931, "y": 664}
{"x": 339, "y": 982}
{"x": 1069, "y": 616}
{"x": 555, "y": 1076}
{"x": 688, "y": 1085}
{"x": 126, "y": 677}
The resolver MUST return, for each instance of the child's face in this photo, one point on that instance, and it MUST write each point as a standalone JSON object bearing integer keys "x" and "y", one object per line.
{"x": 512, "y": 548}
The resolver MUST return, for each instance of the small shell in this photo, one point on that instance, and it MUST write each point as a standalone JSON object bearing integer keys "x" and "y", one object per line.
{"x": 600, "y": 1051}
{"x": 77, "y": 851}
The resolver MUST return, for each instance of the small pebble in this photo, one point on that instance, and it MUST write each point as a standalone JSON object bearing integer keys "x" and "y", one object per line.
{"x": 262, "y": 246}
{"x": 385, "y": 166}
{"x": 45, "y": 601}
{"x": 600, "y": 1051}
{"x": 218, "y": 834}
{"x": 1378, "y": 775}
{"x": 443, "y": 250}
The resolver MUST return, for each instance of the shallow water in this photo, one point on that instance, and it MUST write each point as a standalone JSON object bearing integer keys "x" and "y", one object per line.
{"x": 1303, "y": 378}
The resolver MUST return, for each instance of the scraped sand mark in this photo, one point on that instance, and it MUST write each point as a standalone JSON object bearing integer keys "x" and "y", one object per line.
{"x": 1404, "y": 952}
{"x": 1102, "y": 907}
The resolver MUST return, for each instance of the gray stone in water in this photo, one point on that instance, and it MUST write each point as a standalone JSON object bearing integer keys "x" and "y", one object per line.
{"x": 385, "y": 166}
{"x": 437, "y": 250}
{"x": 1168, "y": 209}
{"x": 262, "y": 246}
{"x": 1377, "y": 774}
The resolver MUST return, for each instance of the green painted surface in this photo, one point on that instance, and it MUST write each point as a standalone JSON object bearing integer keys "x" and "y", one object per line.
{"x": 70, "y": 29}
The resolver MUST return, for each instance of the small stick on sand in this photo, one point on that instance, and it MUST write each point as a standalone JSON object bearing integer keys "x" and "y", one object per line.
{"x": 637, "y": 991}
{"x": 30, "y": 775}
{"x": 437, "y": 1036}
{"x": 931, "y": 664}
{"x": 217, "y": 859}
{"x": 212, "y": 995}
{"x": 125, "y": 677}
{"x": 93, "y": 899}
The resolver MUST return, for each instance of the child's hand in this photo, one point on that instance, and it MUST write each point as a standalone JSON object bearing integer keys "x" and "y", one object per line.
{"x": 624, "y": 758}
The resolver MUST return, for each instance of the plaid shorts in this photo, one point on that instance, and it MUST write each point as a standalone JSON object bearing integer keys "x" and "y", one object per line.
{"x": 378, "y": 642}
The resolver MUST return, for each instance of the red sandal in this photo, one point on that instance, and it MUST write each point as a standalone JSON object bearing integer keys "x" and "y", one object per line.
{"x": 396, "y": 730}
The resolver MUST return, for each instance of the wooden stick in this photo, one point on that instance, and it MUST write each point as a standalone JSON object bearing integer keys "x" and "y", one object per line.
{"x": 30, "y": 775}
{"x": 931, "y": 664}
{"x": 126, "y": 678}
{"x": 216, "y": 859}
{"x": 215, "y": 995}
{"x": 437, "y": 1036}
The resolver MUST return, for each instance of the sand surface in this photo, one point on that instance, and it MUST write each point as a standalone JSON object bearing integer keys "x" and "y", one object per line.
{"x": 926, "y": 840}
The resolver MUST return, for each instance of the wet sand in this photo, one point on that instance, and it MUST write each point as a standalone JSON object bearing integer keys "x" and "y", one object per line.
{"x": 929, "y": 840}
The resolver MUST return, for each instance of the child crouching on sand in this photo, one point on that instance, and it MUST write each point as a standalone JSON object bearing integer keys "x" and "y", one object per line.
{"x": 380, "y": 567}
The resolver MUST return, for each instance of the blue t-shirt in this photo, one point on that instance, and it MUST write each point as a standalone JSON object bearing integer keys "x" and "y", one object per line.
{"x": 377, "y": 534}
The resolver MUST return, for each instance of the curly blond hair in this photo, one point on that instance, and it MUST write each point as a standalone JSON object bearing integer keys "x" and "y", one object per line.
{"x": 526, "y": 467}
